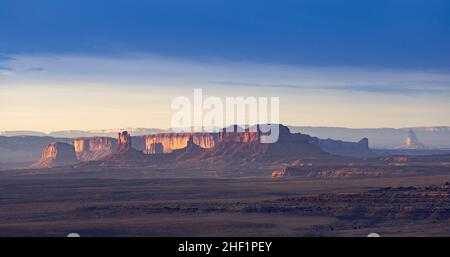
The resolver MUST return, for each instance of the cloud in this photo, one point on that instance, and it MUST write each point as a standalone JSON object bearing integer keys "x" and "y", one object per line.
{"x": 5, "y": 71}
{"x": 141, "y": 87}
{"x": 393, "y": 89}
{"x": 149, "y": 70}
{"x": 36, "y": 69}
{"x": 5, "y": 57}
{"x": 411, "y": 87}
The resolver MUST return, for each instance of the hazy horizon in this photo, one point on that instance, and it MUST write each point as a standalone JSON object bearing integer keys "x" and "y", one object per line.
{"x": 100, "y": 130}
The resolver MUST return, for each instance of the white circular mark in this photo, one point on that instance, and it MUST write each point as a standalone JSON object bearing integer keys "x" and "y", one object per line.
{"x": 73, "y": 235}
{"x": 373, "y": 235}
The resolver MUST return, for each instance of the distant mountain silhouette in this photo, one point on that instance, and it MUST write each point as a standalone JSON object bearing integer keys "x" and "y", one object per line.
{"x": 380, "y": 138}
{"x": 411, "y": 142}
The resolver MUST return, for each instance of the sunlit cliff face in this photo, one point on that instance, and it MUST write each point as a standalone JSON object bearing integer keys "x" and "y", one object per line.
{"x": 176, "y": 141}
{"x": 55, "y": 154}
{"x": 93, "y": 148}
{"x": 239, "y": 137}
{"x": 79, "y": 145}
{"x": 58, "y": 150}
{"x": 50, "y": 151}
{"x": 92, "y": 144}
{"x": 124, "y": 141}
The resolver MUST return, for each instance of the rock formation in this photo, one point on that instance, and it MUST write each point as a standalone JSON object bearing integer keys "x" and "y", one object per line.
{"x": 124, "y": 155}
{"x": 342, "y": 148}
{"x": 246, "y": 147}
{"x": 124, "y": 143}
{"x": 56, "y": 154}
{"x": 411, "y": 142}
{"x": 155, "y": 148}
{"x": 174, "y": 141}
{"x": 94, "y": 148}
{"x": 191, "y": 151}
{"x": 286, "y": 171}
{"x": 246, "y": 136}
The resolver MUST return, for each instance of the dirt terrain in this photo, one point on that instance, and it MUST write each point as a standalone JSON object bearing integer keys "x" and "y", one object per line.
{"x": 138, "y": 203}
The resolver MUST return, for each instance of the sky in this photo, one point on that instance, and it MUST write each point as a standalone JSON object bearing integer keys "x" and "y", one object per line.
{"x": 116, "y": 64}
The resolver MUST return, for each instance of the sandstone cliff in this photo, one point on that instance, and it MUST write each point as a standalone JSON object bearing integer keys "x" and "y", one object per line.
{"x": 56, "y": 154}
{"x": 237, "y": 136}
{"x": 124, "y": 155}
{"x": 88, "y": 149}
{"x": 246, "y": 147}
{"x": 174, "y": 141}
{"x": 191, "y": 151}
{"x": 124, "y": 142}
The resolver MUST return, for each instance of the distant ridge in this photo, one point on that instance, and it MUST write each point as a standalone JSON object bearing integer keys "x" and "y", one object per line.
{"x": 82, "y": 133}
{"x": 104, "y": 132}
{"x": 16, "y": 133}
{"x": 435, "y": 137}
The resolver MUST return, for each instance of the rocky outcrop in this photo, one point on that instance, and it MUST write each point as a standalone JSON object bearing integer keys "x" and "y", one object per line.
{"x": 124, "y": 156}
{"x": 124, "y": 143}
{"x": 94, "y": 148}
{"x": 411, "y": 142}
{"x": 56, "y": 154}
{"x": 285, "y": 172}
{"x": 247, "y": 147}
{"x": 174, "y": 141}
{"x": 342, "y": 148}
{"x": 189, "y": 152}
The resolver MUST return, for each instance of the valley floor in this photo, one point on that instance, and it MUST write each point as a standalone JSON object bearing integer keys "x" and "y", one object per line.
{"x": 32, "y": 205}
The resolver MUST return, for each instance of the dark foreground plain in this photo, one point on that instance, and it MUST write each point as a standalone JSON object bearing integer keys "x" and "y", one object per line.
{"x": 146, "y": 203}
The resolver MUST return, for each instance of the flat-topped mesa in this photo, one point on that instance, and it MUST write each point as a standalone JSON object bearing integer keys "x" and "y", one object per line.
{"x": 342, "y": 148}
{"x": 56, "y": 154}
{"x": 124, "y": 142}
{"x": 175, "y": 141}
{"x": 93, "y": 148}
{"x": 253, "y": 134}
{"x": 250, "y": 146}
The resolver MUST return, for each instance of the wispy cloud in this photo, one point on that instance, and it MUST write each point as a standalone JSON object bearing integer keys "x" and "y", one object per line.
{"x": 140, "y": 88}
{"x": 410, "y": 87}
{"x": 149, "y": 70}
{"x": 36, "y": 69}
{"x": 4, "y": 57}
{"x": 5, "y": 71}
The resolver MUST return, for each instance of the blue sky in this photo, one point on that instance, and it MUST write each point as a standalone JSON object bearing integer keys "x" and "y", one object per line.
{"x": 408, "y": 33}
{"x": 335, "y": 55}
